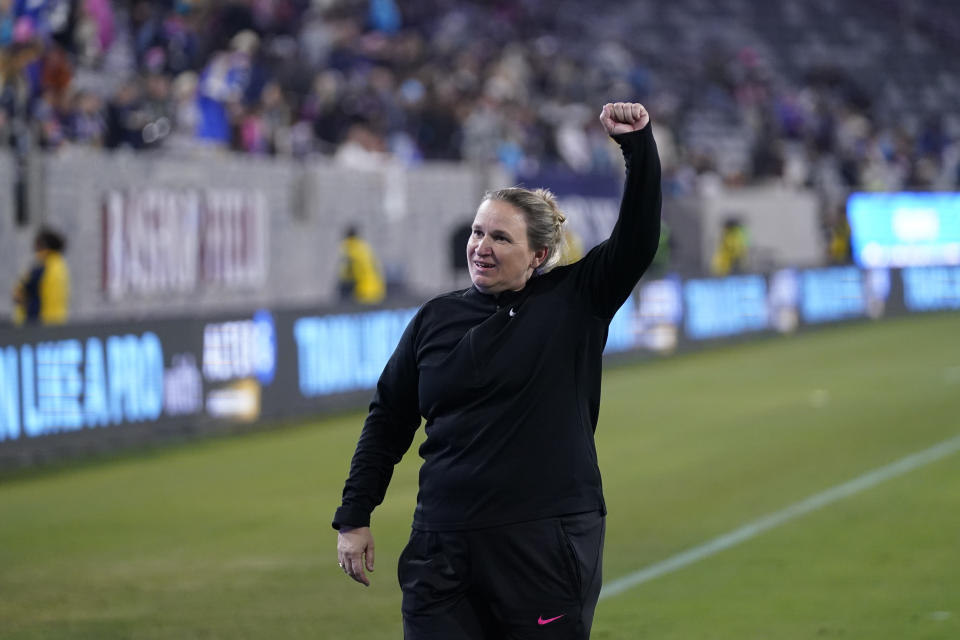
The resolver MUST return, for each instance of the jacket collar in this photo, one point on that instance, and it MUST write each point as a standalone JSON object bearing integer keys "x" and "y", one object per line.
{"x": 504, "y": 297}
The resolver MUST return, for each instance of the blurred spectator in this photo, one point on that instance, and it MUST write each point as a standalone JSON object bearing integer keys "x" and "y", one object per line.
{"x": 56, "y": 71}
{"x": 361, "y": 278}
{"x": 127, "y": 117}
{"x": 42, "y": 296}
{"x": 323, "y": 107}
{"x": 17, "y": 88}
{"x": 49, "y": 114}
{"x": 95, "y": 31}
{"x": 223, "y": 85}
{"x": 363, "y": 148}
{"x": 184, "y": 109}
{"x": 384, "y": 16}
{"x": 87, "y": 125}
{"x": 254, "y": 137}
{"x": 276, "y": 116}
{"x": 744, "y": 95}
{"x": 157, "y": 109}
{"x": 7, "y": 17}
{"x": 732, "y": 249}
{"x": 839, "y": 247}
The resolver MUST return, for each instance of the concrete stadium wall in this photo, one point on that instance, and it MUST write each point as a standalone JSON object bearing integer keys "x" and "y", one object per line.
{"x": 783, "y": 225}
{"x": 8, "y": 259}
{"x": 77, "y": 181}
{"x": 408, "y": 216}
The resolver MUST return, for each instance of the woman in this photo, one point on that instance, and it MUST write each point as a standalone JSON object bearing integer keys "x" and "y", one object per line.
{"x": 508, "y": 530}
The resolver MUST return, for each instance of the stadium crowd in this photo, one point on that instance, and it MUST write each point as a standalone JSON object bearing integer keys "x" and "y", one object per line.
{"x": 364, "y": 80}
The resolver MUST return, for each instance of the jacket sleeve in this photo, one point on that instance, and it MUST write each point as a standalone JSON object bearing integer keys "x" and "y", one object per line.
{"x": 393, "y": 419}
{"x": 610, "y": 271}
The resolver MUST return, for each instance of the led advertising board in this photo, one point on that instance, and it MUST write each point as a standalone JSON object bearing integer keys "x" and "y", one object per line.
{"x": 904, "y": 229}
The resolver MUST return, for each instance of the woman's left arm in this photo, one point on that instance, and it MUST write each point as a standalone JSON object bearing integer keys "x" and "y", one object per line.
{"x": 610, "y": 271}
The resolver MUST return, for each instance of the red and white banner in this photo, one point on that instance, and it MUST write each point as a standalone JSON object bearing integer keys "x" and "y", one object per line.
{"x": 166, "y": 240}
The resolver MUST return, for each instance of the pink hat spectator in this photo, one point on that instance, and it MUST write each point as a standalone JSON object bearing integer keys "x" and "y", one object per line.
{"x": 23, "y": 30}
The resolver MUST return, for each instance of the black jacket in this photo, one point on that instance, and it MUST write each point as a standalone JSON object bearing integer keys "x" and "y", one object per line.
{"x": 509, "y": 384}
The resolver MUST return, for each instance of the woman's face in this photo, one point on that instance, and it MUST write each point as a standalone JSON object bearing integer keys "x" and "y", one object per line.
{"x": 498, "y": 255}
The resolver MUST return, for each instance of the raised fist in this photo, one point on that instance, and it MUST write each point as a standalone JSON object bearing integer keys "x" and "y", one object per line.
{"x": 623, "y": 117}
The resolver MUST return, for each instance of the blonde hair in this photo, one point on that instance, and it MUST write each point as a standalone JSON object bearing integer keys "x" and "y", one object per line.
{"x": 544, "y": 220}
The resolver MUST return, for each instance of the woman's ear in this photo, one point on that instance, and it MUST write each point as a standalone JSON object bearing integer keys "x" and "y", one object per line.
{"x": 539, "y": 257}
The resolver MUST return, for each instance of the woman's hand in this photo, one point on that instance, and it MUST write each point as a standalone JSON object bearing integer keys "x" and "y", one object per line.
{"x": 354, "y": 549}
{"x": 623, "y": 117}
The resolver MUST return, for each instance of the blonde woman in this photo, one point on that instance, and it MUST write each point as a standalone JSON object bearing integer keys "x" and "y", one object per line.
{"x": 508, "y": 529}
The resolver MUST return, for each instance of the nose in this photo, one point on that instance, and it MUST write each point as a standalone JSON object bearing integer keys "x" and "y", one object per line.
{"x": 482, "y": 246}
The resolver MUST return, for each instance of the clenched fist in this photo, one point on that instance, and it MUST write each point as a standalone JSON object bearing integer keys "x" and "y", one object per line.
{"x": 623, "y": 117}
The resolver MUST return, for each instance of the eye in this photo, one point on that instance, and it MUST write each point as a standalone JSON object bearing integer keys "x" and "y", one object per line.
{"x": 501, "y": 238}
{"x": 477, "y": 233}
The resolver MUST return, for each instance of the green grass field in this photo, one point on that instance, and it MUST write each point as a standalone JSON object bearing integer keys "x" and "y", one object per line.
{"x": 230, "y": 537}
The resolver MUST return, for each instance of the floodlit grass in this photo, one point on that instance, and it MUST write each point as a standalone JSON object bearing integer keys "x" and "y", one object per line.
{"x": 230, "y": 538}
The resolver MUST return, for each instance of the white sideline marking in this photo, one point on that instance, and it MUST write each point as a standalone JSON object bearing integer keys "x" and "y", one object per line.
{"x": 755, "y": 528}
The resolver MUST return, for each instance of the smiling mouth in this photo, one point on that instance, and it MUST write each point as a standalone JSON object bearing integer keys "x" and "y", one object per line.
{"x": 483, "y": 265}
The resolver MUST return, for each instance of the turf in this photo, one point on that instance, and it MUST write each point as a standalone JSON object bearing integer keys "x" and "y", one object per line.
{"x": 230, "y": 538}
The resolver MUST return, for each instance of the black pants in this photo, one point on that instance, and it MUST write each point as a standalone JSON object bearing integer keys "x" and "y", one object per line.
{"x": 537, "y": 579}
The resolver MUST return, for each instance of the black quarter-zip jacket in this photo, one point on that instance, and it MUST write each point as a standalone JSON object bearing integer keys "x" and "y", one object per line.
{"x": 509, "y": 385}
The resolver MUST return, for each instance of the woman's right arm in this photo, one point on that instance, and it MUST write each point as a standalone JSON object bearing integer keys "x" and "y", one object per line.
{"x": 387, "y": 433}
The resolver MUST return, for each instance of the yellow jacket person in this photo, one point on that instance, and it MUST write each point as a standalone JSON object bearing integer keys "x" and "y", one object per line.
{"x": 42, "y": 295}
{"x": 360, "y": 277}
